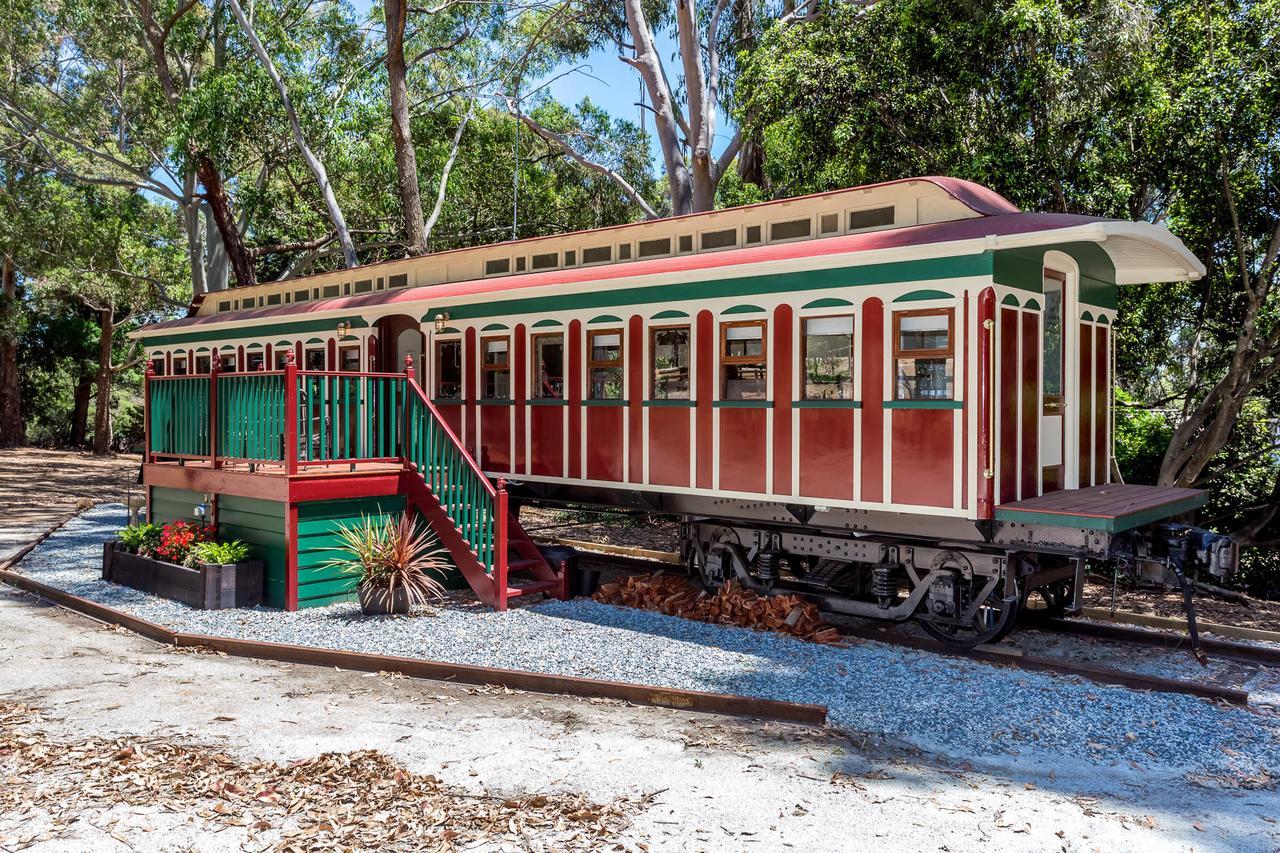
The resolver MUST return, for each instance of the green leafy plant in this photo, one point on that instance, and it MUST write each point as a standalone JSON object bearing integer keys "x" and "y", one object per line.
{"x": 389, "y": 554}
{"x": 221, "y": 553}
{"x": 141, "y": 538}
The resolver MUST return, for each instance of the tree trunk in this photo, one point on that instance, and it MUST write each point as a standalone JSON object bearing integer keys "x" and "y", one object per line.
{"x": 12, "y": 430}
{"x": 102, "y": 418}
{"x": 401, "y": 135}
{"x": 80, "y": 412}
{"x": 220, "y": 207}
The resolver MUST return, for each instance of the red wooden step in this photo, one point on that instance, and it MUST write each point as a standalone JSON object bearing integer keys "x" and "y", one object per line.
{"x": 520, "y": 565}
{"x": 533, "y": 588}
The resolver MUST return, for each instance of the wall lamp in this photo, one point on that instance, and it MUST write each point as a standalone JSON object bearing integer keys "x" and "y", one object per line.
{"x": 440, "y": 320}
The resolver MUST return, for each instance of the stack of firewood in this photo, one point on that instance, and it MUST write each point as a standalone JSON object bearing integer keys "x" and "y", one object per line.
{"x": 732, "y": 605}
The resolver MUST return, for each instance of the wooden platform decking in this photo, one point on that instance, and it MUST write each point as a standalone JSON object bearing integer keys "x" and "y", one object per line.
{"x": 1113, "y": 507}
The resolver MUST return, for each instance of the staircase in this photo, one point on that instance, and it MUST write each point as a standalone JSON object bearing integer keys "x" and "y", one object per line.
{"x": 469, "y": 514}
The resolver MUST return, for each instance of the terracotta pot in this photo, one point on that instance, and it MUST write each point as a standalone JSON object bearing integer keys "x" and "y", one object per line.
{"x": 375, "y": 601}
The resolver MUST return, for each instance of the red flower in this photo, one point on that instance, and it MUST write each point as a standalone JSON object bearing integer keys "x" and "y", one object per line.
{"x": 177, "y": 540}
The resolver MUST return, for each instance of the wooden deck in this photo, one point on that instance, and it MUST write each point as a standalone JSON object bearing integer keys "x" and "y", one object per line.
{"x": 1114, "y": 507}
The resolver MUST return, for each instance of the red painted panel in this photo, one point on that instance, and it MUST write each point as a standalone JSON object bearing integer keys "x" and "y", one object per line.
{"x": 872, "y": 412}
{"x": 1030, "y": 451}
{"x": 469, "y": 383}
{"x": 1085, "y": 435}
{"x": 240, "y": 357}
{"x": 574, "y": 367}
{"x": 986, "y": 402}
{"x": 452, "y": 415}
{"x": 635, "y": 399}
{"x": 519, "y": 379}
{"x": 921, "y": 456}
{"x": 604, "y": 442}
{"x": 704, "y": 391}
{"x": 826, "y": 453}
{"x": 168, "y": 364}
{"x": 743, "y": 450}
{"x": 1007, "y": 416}
{"x": 495, "y": 438}
{"x": 669, "y": 446}
{"x": 546, "y": 440}
{"x": 267, "y": 362}
{"x": 1101, "y": 391}
{"x": 333, "y": 355}
{"x": 783, "y": 371}
{"x": 297, "y": 355}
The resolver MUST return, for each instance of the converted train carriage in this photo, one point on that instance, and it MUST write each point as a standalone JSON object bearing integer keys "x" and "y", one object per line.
{"x": 896, "y": 398}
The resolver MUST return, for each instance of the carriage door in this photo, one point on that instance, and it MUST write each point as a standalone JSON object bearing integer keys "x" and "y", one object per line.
{"x": 1057, "y": 465}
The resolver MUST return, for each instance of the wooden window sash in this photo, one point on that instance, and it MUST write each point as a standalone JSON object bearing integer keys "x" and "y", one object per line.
{"x": 653, "y": 356}
{"x": 1053, "y": 404}
{"x": 804, "y": 351}
{"x": 439, "y": 364}
{"x": 762, "y": 359}
{"x": 503, "y": 367}
{"x": 591, "y": 337}
{"x": 535, "y": 381}
{"x": 942, "y": 352}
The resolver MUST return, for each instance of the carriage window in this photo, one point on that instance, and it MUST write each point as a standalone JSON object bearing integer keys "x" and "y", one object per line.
{"x": 179, "y": 367}
{"x": 496, "y": 369}
{"x": 604, "y": 364}
{"x": 449, "y": 370}
{"x": 828, "y": 358}
{"x": 548, "y": 367}
{"x": 670, "y": 365}
{"x": 923, "y": 353}
{"x": 743, "y": 362}
{"x": 315, "y": 359}
{"x": 349, "y": 359}
{"x": 282, "y": 357}
{"x": 1052, "y": 341}
{"x": 254, "y": 361}
{"x": 227, "y": 363}
{"x": 202, "y": 364}
{"x": 157, "y": 366}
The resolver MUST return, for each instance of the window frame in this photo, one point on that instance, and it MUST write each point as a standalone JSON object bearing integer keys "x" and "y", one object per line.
{"x": 438, "y": 348}
{"x": 535, "y": 381}
{"x": 486, "y": 368}
{"x": 731, "y": 360}
{"x": 593, "y": 365}
{"x": 343, "y": 349}
{"x": 804, "y": 353}
{"x": 653, "y": 358}
{"x": 899, "y": 353}
{"x": 767, "y": 237}
{"x": 180, "y": 361}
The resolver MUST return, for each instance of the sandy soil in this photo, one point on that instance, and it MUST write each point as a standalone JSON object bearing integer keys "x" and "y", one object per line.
{"x": 44, "y": 484}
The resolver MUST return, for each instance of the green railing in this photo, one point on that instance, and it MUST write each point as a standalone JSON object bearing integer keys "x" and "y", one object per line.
{"x": 465, "y": 493}
{"x": 348, "y": 417}
{"x": 251, "y": 416}
{"x": 178, "y": 407}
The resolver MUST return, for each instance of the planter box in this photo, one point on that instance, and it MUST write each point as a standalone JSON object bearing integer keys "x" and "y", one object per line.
{"x": 208, "y": 587}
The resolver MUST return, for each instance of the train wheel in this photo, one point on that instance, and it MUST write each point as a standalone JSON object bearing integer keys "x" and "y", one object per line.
{"x": 1051, "y": 601}
{"x": 992, "y": 621}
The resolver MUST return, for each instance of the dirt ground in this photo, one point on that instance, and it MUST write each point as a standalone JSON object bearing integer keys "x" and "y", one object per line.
{"x": 1249, "y": 613}
{"x": 38, "y": 486}
{"x": 109, "y": 742}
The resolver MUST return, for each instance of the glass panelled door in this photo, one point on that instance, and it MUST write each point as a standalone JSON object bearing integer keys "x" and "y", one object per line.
{"x": 1053, "y": 343}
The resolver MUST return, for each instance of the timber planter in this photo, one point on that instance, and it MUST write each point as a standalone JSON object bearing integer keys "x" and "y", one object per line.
{"x": 210, "y": 586}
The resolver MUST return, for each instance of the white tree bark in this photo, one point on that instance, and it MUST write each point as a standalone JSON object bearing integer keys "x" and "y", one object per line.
{"x": 338, "y": 221}
{"x": 430, "y": 224}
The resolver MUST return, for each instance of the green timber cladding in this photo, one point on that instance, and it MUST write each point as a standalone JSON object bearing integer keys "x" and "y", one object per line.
{"x": 318, "y": 523}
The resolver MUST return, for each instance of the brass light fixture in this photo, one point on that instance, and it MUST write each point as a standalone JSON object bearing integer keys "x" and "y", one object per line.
{"x": 344, "y": 329}
{"x": 440, "y": 320}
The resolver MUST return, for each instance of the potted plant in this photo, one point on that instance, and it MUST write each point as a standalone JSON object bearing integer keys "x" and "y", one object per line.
{"x": 397, "y": 562}
{"x": 184, "y": 562}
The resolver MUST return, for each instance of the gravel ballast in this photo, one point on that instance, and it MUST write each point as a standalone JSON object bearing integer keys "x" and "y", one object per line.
{"x": 962, "y": 709}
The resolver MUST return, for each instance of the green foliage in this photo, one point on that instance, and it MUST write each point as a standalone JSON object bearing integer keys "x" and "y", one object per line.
{"x": 220, "y": 553}
{"x": 1141, "y": 437}
{"x": 390, "y": 553}
{"x": 141, "y": 538}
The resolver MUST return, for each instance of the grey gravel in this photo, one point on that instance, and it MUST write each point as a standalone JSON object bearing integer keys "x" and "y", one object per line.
{"x": 961, "y": 709}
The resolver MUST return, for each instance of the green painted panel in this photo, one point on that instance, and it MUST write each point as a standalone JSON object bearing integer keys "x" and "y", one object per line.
{"x": 494, "y": 327}
{"x": 605, "y": 318}
{"x": 743, "y": 404}
{"x": 743, "y": 309}
{"x": 546, "y": 324}
{"x": 669, "y": 314}
{"x": 267, "y": 330}
{"x": 1023, "y": 269}
{"x": 827, "y": 404}
{"x": 169, "y": 505}
{"x": 261, "y": 525}
{"x": 1087, "y": 316}
{"x": 1032, "y": 304}
{"x": 1117, "y": 524}
{"x": 674, "y": 404}
{"x": 923, "y": 404}
{"x": 829, "y": 302}
{"x": 924, "y": 295}
{"x": 1009, "y": 299}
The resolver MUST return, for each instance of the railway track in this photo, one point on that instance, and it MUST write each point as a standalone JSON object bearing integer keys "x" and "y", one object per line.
{"x": 641, "y": 560}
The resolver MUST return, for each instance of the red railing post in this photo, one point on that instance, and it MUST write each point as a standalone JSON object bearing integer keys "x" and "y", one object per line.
{"x": 500, "y": 548}
{"x": 404, "y": 420}
{"x": 146, "y": 411}
{"x": 290, "y": 414}
{"x": 215, "y": 365}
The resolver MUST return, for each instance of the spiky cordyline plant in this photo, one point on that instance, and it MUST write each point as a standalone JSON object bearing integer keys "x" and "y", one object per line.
{"x": 389, "y": 554}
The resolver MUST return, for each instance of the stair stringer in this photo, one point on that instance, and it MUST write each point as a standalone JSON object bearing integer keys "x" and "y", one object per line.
{"x": 429, "y": 507}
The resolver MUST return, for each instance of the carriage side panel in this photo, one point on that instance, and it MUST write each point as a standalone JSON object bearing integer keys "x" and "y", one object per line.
{"x": 783, "y": 394}
{"x": 872, "y": 412}
{"x": 922, "y": 444}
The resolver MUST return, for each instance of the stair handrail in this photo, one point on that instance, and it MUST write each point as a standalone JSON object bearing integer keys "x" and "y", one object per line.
{"x": 448, "y": 430}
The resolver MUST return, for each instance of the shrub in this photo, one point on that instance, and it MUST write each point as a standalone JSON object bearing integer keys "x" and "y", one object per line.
{"x": 388, "y": 554}
{"x": 177, "y": 540}
{"x": 221, "y": 553}
{"x": 141, "y": 538}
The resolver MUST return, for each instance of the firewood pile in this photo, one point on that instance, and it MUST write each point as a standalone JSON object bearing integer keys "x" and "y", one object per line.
{"x": 732, "y": 605}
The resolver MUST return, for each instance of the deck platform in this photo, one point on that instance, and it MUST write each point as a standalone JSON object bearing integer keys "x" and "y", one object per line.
{"x": 270, "y": 481}
{"x": 1112, "y": 507}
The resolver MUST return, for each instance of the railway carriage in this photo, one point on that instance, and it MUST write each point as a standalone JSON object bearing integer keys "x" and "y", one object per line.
{"x": 893, "y": 398}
